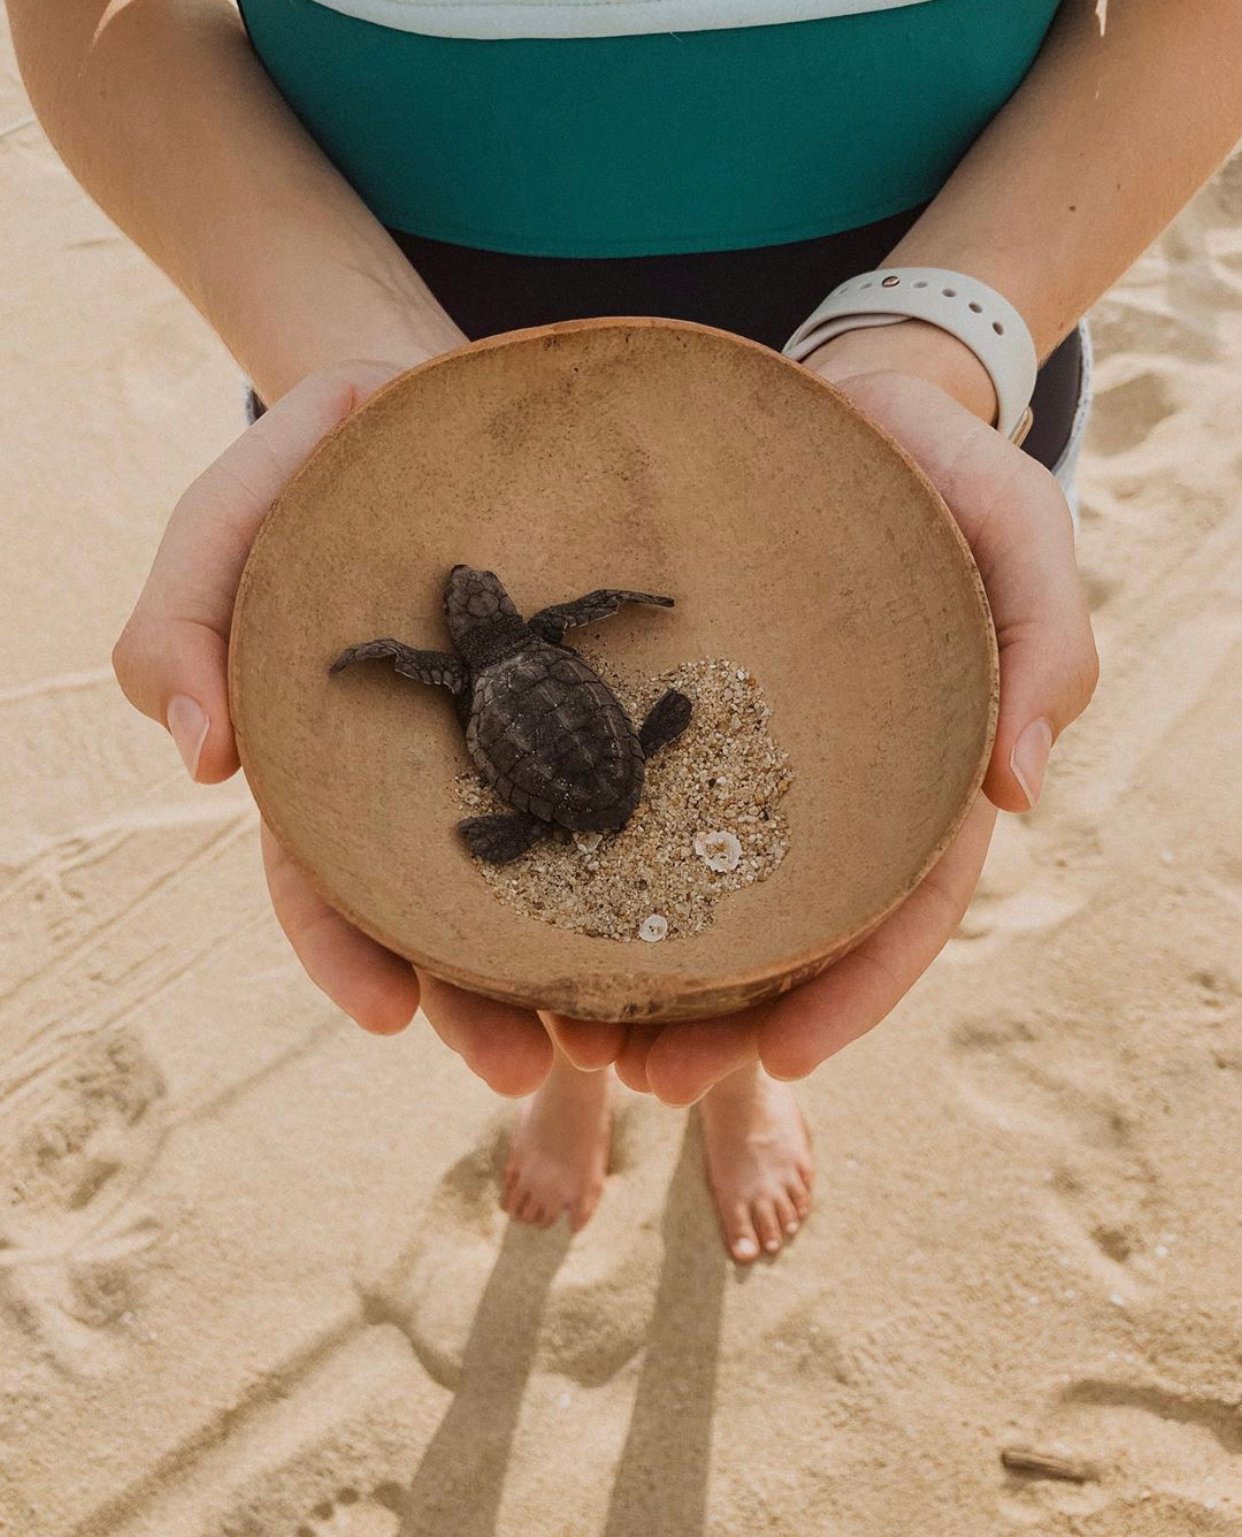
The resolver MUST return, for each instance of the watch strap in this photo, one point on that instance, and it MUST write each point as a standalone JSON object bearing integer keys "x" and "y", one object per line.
{"x": 976, "y": 314}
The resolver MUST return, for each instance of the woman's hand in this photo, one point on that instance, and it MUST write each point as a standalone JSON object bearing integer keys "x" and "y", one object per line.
{"x": 1016, "y": 519}
{"x": 171, "y": 663}
{"x": 171, "y": 659}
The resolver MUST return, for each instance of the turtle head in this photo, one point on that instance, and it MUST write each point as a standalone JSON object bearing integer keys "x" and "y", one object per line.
{"x": 480, "y": 613}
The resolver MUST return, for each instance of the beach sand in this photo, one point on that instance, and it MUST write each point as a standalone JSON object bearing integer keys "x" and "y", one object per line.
{"x": 254, "y": 1281}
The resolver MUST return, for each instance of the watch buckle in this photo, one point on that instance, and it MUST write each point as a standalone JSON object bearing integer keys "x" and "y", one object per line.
{"x": 1023, "y": 427}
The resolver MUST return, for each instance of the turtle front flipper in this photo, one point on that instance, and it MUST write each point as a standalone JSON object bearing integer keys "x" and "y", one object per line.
{"x": 551, "y": 623}
{"x": 436, "y": 667}
{"x": 498, "y": 839}
{"x": 666, "y": 720}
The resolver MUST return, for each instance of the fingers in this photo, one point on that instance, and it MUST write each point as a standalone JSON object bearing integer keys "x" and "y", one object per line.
{"x": 508, "y": 1048}
{"x": 801, "y": 1030}
{"x": 680, "y": 1062}
{"x": 688, "y": 1057}
{"x": 170, "y": 658}
{"x": 505, "y": 1046}
{"x": 589, "y": 1044}
{"x": 631, "y": 1061}
{"x": 374, "y": 987}
{"x": 1016, "y": 519}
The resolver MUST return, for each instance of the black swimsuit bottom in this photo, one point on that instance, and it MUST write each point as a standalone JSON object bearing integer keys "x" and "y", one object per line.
{"x": 763, "y": 293}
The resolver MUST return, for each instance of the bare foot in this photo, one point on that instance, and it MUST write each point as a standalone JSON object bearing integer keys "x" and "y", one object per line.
{"x": 758, "y": 1161}
{"x": 558, "y": 1156}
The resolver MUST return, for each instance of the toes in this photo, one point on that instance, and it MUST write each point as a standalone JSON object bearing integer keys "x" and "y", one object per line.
{"x": 786, "y": 1214}
{"x": 525, "y": 1206}
{"x": 767, "y": 1225}
{"x": 740, "y": 1237}
{"x": 582, "y": 1213}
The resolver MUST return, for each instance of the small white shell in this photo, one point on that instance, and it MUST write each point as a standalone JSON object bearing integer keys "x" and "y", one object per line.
{"x": 587, "y": 843}
{"x": 720, "y": 850}
{"x": 653, "y": 928}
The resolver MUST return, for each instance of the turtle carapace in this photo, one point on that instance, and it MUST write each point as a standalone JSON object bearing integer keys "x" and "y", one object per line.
{"x": 543, "y": 730}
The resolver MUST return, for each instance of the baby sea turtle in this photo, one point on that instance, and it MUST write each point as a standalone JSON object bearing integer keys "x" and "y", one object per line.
{"x": 544, "y": 731}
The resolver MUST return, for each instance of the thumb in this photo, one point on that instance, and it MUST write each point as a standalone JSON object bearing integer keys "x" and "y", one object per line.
{"x": 171, "y": 657}
{"x": 1048, "y": 662}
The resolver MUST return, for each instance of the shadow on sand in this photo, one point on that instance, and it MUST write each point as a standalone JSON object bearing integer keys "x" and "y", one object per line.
{"x": 661, "y": 1481}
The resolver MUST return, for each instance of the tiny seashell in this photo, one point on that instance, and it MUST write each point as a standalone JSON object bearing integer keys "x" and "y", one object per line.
{"x": 587, "y": 843}
{"x": 720, "y": 851}
{"x": 653, "y": 928}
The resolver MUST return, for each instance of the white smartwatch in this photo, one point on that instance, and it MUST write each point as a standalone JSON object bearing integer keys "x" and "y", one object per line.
{"x": 968, "y": 309}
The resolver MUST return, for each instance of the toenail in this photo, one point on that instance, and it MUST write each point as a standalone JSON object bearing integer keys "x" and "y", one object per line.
{"x": 746, "y": 1248}
{"x": 791, "y": 1228}
{"x": 772, "y": 1245}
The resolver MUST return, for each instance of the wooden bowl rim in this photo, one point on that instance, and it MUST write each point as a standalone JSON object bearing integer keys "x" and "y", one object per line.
{"x": 723, "y": 996}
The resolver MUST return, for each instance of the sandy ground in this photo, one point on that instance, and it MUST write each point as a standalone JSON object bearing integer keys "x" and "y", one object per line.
{"x": 253, "y": 1278}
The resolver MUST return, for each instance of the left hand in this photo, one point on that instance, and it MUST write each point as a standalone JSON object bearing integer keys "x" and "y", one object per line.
{"x": 1016, "y": 519}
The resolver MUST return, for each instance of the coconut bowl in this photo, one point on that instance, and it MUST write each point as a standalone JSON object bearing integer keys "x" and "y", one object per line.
{"x": 798, "y": 540}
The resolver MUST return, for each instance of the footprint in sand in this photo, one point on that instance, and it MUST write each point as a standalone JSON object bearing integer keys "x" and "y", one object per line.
{"x": 1127, "y": 412}
{"x": 76, "y": 1152}
{"x": 470, "y": 1270}
{"x": 1155, "y": 1458}
{"x": 1100, "y": 587}
{"x": 1095, "y": 1512}
{"x": 1027, "y": 886}
{"x": 1123, "y": 326}
{"x": 1103, "y": 1202}
{"x": 351, "y": 1514}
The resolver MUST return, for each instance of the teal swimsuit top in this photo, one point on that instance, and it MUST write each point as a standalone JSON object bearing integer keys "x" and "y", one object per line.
{"x": 571, "y": 128}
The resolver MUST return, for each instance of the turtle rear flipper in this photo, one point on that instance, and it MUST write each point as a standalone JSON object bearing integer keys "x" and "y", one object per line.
{"x": 666, "y": 720}
{"x": 498, "y": 839}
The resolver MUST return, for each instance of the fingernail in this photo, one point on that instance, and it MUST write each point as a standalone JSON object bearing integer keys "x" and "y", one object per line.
{"x": 1029, "y": 759}
{"x": 188, "y": 727}
{"x": 745, "y": 1248}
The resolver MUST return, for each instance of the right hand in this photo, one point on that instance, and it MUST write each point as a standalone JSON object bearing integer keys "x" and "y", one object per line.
{"x": 171, "y": 664}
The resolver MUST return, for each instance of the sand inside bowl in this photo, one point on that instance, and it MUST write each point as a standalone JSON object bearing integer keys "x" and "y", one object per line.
{"x": 708, "y": 822}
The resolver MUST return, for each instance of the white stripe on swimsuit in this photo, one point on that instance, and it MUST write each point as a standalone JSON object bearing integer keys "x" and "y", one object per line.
{"x": 594, "y": 18}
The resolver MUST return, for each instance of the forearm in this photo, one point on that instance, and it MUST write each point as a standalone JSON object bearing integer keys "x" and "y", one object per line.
{"x": 162, "y": 112}
{"x": 1106, "y": 139}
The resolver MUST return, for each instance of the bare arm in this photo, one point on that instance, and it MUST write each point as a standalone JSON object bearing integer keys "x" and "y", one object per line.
{"x": 1106, "y": 139}
{"x": 165, "y": 116}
